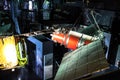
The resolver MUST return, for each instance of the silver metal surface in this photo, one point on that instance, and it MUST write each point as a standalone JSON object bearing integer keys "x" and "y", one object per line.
{"x": 83, "y": 61}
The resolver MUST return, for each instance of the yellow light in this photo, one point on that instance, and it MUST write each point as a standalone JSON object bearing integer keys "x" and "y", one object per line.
{"x": 8, "y": 53}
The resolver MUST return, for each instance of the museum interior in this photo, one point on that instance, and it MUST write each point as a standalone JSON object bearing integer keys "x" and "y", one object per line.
{"x": 59, "y": 39}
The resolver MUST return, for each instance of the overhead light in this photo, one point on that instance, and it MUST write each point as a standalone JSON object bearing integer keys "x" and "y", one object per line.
{"x": 30, "y": 5}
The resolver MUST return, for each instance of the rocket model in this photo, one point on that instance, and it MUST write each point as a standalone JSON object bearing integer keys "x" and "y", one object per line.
{"x": 73, "y": 39}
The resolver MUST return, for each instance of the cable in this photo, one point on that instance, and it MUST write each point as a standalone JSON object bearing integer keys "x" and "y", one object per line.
{"x": 95, "y": 21}
{"x": 57, "y": 63}
{"x": 30, "y": 33}
{"x": 100, "y": 36}
{"x": 77, "y": 20}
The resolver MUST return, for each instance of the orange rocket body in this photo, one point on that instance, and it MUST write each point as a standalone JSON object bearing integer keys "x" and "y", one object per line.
{"x": 69, "y": 41}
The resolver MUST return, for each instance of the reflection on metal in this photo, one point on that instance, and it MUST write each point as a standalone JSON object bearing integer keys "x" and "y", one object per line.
{"x": 117, "y": 61}
{"x": 48, "y": 72}
{"x": 84, "y": 36}
{"x": 82, "y": 62}
{"x": 48, "y": 66}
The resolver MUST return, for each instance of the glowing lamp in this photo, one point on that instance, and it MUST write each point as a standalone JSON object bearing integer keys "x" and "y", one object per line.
{"x": 8, "y": 54}
{"x": 13, "y": 52}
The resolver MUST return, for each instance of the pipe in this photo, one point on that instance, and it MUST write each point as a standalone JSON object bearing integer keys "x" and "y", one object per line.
{"x": 68, "y": 41}
{"x": 84, "y": 36}
{"x": 73, "y": 40}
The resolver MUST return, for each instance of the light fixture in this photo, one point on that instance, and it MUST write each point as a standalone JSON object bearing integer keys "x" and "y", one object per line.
{"x": 13, "y": 52}
{"x": 8, "y": 56}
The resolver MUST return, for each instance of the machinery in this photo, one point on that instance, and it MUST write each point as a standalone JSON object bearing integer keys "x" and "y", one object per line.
{"x": 82, "y": 52}
{"x": 72, "y": 40}
{"x": 83, "y": 63}
{"x": 21, "y": 51}
{"x": 13, "y": 52}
